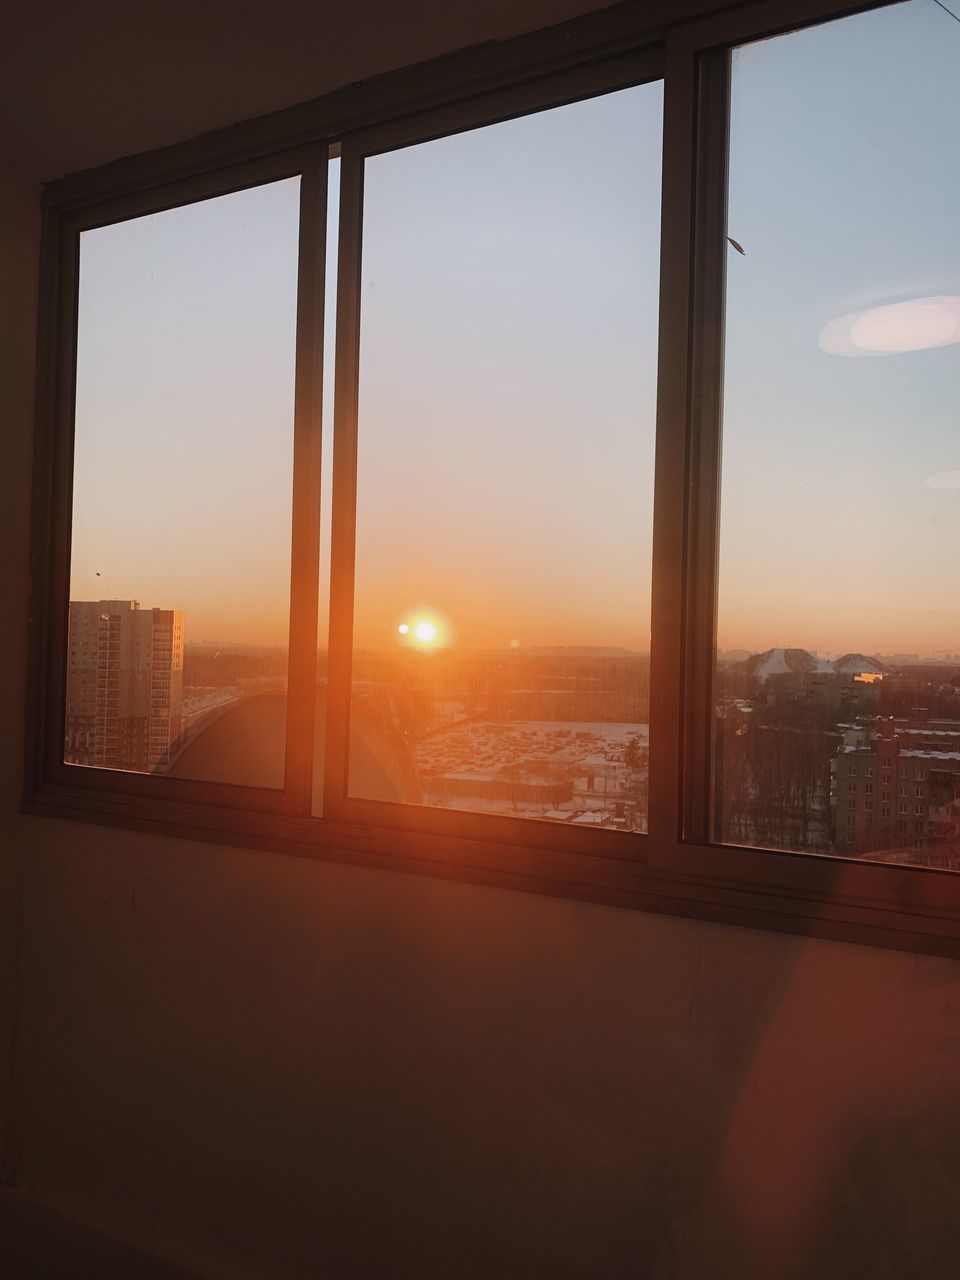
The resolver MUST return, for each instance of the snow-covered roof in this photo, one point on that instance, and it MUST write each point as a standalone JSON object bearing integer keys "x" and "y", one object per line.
{"x": 778, "y": 662}
{"x": 775, "y": 664}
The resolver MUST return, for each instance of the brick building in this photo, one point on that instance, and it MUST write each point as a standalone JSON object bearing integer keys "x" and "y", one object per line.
{"x": 896, "y": 784}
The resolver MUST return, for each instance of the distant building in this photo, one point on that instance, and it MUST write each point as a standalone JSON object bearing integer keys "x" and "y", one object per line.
{"x": 124, "y": 685}
{"x": 512, "y": 786}
{"x": 896, "y": 784}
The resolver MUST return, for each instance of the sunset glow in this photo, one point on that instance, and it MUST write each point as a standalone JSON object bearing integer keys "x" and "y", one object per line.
{"x": 485, "y": 610}
{"x": 422, "y": 629}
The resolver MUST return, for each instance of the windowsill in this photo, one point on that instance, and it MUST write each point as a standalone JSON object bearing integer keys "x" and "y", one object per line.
{"x": 827, "y": 897}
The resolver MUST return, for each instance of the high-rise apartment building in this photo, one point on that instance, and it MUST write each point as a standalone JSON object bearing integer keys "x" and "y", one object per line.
{"x": 124, "y": 685}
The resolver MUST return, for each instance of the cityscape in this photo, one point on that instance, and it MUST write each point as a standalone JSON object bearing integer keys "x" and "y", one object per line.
{"x": 857, "y": 755}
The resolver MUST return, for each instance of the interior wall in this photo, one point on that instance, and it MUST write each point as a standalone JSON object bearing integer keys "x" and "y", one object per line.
{"x": 82, "y": 84}
{"x": 261, "y": 1066}
{"x": 19, "y": 247}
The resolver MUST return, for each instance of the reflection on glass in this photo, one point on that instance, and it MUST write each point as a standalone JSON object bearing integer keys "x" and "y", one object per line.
{"x": 506, "y": 427}
{"x": 838, "y": 673}
{"x": 180, "y": 564}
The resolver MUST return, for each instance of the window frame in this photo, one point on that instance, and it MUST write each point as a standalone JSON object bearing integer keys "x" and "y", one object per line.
{"x": 643, "y": 65}
{"x": 52, "y": 542}
{"x": 676, "y": 867}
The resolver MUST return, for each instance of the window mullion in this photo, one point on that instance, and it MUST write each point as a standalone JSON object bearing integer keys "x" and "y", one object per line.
{"x": 667, "y": 604}
{"x": 705, "y": 418}
{"x": 344, "y": 503}
{"x": 305, "y": 549}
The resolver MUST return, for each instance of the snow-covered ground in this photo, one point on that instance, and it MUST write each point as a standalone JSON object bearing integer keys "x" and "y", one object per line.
{"x": 592, "y": 756}
{"x": 487, "y": 746}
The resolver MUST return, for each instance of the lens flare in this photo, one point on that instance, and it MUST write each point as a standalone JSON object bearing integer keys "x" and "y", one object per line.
{"x": 916, "y": 324}
{"x": 424, "y": 627}
{"x": 943, "y": 480}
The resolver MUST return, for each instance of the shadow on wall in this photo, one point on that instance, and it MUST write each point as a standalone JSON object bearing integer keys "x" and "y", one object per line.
{"x": 840, "y": 1154}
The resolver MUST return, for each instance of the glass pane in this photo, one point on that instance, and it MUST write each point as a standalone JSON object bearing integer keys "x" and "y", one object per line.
{"x": 838, "y": 716}
{"x": 507, "y": 403}
{"x": 180, "y": 568}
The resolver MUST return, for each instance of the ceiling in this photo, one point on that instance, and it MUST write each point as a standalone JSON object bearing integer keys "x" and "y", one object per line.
{"x": 84, "y": 83}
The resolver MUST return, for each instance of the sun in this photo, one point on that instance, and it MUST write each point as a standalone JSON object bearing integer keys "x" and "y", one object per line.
{"x": 425, "y": 632}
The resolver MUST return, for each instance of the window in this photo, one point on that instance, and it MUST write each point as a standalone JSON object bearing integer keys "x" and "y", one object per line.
{"x": 847, "y": 343}
{"x": 445, "y": 532}
{"x": 179, "y": 601}
{"x": 507, "y": 398}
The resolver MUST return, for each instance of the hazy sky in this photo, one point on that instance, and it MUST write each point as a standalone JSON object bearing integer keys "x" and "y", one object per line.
{"x": 845, "y": 193}
{"x": 508, "y": 378}
{"x": 182, "y": 487}
{"x": 509, "y": 364}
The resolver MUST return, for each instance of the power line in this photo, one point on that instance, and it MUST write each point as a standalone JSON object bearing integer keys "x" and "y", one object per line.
{"x": 946, "y": 10}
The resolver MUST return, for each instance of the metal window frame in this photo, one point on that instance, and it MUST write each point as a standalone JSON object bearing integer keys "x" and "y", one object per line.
{"x": 675, "y": 867}
{"x": 634, "y": 67}
{"x": 53, "y": 482}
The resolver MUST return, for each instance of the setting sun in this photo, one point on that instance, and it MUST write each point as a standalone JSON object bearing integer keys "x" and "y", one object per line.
{"x": 425, "y": 631}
